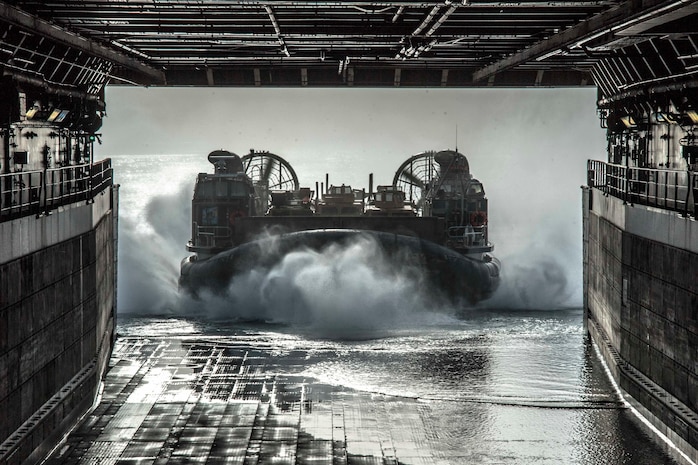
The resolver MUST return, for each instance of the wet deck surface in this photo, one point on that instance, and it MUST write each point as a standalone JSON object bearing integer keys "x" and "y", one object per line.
{"x": 171, "y": 401}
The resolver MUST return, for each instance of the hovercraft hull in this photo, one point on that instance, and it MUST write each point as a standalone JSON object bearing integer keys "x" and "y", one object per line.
{"x": 451, "y": 274}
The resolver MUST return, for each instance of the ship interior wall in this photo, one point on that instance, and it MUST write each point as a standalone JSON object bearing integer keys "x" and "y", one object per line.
{"x": 642, "y": 308}
{"x": 56, "y": 322}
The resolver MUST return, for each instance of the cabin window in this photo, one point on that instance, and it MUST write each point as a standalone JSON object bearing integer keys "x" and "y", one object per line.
{"x": 221, "y": 189}
{"x": 205, "y": 190}
{"x": 238, "y": 189}
{"x": 439, "y": 206}
{"x": 475, "y": 189}
{"x": 209, "y": 216}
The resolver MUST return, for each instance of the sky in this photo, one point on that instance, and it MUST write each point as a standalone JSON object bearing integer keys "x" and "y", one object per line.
{"x": 355, "y": 130}
{"x": 529, "y": 147}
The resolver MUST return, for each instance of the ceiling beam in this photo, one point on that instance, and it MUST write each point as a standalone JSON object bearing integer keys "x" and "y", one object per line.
{"x": 24, "y": 20}
{"x": 625, "y": 15}
{"x": 661, "y": 19}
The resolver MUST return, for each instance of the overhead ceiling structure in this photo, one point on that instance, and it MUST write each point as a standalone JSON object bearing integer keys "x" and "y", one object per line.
{"x": 82, "y": 45}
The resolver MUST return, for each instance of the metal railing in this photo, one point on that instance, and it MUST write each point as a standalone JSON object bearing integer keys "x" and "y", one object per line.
{"x": 461, "y": 236}
{"x": 27, "y": 193}
{"x": 212, "y": 236}
{"x": 667, "y": 189}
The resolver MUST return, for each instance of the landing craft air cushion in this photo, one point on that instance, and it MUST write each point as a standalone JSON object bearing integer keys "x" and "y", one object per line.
{"x": 250, "y": 213}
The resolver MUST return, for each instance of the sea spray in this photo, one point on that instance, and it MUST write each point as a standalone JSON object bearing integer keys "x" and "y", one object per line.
{"x": 343, "y": 289}
{"x": 351, "y": 290}
{"x": 537, "y": 273}
{"x": 537, "y": 276}
{"x": 151, "y": 245}
{"x": 540, "y": 285}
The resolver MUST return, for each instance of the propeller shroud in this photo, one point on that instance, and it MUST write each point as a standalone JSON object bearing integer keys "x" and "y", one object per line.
{"x": 269, "y": 172}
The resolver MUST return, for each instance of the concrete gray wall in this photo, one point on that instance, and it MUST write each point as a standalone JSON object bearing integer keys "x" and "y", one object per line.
{"x": 641, "y": 297}
{"x": 57, "y": 310}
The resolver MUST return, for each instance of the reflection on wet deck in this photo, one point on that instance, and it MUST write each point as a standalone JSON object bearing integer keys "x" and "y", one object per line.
{"x": 169, "y": 401}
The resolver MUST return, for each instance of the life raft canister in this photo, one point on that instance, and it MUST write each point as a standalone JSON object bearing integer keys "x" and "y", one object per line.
{"x": 232, "y": 216}
{"x": 478, "y": 218}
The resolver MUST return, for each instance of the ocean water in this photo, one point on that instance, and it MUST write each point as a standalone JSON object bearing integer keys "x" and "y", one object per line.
{"x": 511, "y": 380}
{"x": 491, "y": 387}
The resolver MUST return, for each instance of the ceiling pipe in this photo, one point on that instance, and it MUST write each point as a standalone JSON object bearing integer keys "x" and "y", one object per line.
{"x": 427, "y": 20}
{"x": 398, "y": 13}
{"x": 414, "y": 52}
{"x": 277, "y": 29}
{"x": 441, "y": 20}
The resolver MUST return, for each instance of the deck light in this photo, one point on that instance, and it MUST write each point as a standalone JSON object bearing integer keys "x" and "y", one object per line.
{"x": 693, "y": 114}
{"x": 628, "y": 121}
{"x": 54, "y": 114}
{"x": 62, "y": 116}
{"x": 666, "y": 117}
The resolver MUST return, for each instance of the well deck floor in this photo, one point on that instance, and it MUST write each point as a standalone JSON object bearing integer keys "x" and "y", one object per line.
{"x": 176, "y": 401}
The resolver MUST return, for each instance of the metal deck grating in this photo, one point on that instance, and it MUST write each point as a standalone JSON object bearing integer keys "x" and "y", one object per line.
{"x": 174, "y": 401}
